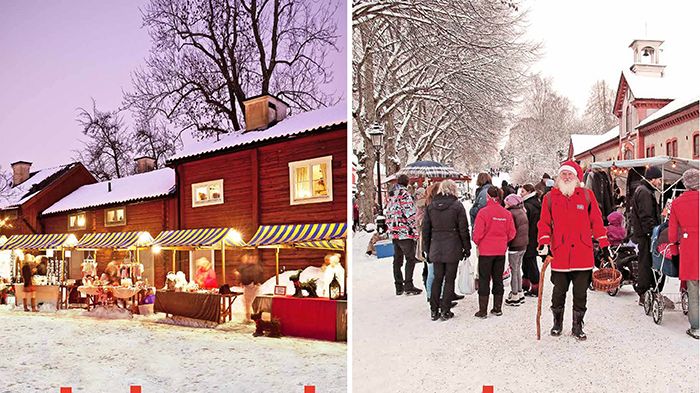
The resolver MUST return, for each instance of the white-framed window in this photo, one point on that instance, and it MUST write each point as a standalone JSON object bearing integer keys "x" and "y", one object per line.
{"x": 311, "y": 181}
{"x": 115, "y": 217}
{"x": 77, "y": 221}
{"x": 208, "y": 193}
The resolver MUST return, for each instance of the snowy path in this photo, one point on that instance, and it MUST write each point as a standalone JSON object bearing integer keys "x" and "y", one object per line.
{"x": 42, "y": 352}
{"x": 396, "y": 347}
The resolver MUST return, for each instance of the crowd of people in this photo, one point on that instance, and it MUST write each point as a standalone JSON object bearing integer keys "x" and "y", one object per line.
{"x": 513, "y": 226}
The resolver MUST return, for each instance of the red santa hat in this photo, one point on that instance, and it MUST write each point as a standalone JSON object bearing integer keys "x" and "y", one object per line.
{"x": 572, "y": 167}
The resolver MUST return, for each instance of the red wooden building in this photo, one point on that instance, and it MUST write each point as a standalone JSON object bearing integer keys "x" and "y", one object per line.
{"x": 281, "y": 170}
{"x": 143, "y": 202}
{"x": 34, "y": 191}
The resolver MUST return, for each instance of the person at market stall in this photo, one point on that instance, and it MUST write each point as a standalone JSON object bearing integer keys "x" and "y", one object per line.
{"x": 205, "y": 276}
{"x": 569, "y": 220}
{"x": 41, "y": 268}
{"x": 644, "y": 216}
{"x": 250, "y": 274}
{"x": 111, "y": 274}
{"x": 28, "y": 271}
{"x": 683, "y": 227}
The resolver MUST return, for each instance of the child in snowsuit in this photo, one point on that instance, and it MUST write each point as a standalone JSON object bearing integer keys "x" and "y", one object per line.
{"x": 616, "y": 232}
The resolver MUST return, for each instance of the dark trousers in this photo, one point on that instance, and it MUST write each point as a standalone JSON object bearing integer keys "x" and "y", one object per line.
{"x": 446, "y": 272}
{"x": 404, "y": 248}
{"x": 646, "y": 277}
{"x": 580, "y": 280}
{"x": 530, "y": 269}
{"x": 491, "y": 269}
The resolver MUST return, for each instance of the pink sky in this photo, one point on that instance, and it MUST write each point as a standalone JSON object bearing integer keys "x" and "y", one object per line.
{"x": 56, "y": 55}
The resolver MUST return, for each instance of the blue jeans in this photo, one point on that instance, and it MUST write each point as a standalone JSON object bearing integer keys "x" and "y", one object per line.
{"x": 429, "y": 280}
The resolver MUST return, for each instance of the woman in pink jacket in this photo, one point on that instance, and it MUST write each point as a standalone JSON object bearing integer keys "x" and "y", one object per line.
{"x": 683, "y": 227}
{"x": 493, "y": 229}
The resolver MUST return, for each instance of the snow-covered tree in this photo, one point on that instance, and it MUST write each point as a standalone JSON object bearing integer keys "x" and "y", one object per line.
{"x": 440, "y": 76}
{"x": 108, "y": 151}
{"x": 209, "y": 56}
{"x": 539, "y": 140}
{"x": 598, "y": 117}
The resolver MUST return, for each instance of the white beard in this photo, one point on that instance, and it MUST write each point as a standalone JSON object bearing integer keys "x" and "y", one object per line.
{"x": 566, "y": 188}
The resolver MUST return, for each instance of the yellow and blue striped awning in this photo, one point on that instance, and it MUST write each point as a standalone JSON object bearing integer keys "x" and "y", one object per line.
{"x": 203, "y": 237}
{"x": 39, "y": 242}
{"x": 116, "y": 240}
{"x": 270, "y": 235}
{"x": 334, "y": 245}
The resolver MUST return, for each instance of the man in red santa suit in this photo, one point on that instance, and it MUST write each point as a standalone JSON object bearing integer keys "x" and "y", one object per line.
{"x": 569, "y": 221}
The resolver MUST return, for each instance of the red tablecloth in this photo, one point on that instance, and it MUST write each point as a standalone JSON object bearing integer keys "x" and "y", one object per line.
{"x": 306, "y": 317}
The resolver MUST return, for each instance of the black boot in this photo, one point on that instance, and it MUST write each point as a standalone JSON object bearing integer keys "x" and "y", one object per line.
{"x": 456, "y": 297}
{"x": 558, "y": 321}
{"x": 446, "y": 314}
{"x": 497, "y": 303}
{"x": 434, "y": 315}
{"x": 483, "y": 305}
{"x": 409, "y": 289}
{"x": 577, "y": 326}
{"x": 399, "y": 289}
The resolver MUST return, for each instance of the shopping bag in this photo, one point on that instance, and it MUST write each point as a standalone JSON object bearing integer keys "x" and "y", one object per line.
{"x": 466, "y": 278}
{"x": 506, "y": 273}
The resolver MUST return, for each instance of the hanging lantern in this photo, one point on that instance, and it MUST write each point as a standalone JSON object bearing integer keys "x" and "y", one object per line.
{"x": 334, "y": 289}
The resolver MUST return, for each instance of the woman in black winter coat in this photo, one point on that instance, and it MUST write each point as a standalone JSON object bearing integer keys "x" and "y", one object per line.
{"x": 531, "y": 271}
{"x": 446, "y": 241}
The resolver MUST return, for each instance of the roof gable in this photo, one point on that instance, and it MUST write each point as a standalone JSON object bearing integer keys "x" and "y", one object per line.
{"x": 37, "y": 181}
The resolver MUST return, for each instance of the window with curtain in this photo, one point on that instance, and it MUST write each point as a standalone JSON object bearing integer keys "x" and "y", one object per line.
{"x": 311, "y": 181}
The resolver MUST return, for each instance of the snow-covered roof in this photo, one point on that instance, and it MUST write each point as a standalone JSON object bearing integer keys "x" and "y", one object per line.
{"x": 293, "y": 125}
{"x": 29, "y": 188}
{"x": 670, "y": 108}
{"x": 147, "y": 185}
{"x": 652, "y": 87}
{"x": 582, "y": 143}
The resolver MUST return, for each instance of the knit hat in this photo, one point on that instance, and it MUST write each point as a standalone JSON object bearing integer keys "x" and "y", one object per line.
{"x": 652, "y": 172}
{"x": 513, "y": 200}
{"x": 572, "y": 167}
{"x": 690, "y": 179}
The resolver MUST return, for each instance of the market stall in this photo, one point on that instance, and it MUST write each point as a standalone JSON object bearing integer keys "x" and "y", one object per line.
{"x": 57, "y": 247}
{"x": 193, "y": 302}
{"x": 131, "y": 287}
{"x": 321, "y": 317}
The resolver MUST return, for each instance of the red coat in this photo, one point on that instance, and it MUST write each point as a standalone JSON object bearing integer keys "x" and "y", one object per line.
{"x": 206, "y": 279}
{"x": 683, "y": 225}
{"x": 575, "y": 225}
{"x": 493, "y": 229}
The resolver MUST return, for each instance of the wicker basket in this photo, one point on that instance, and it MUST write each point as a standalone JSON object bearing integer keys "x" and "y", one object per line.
{"x": 606, "y": 279}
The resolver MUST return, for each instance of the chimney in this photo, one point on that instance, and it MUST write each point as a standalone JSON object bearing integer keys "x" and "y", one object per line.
{"x": 20, "y": 172}
{"x": 145, "y": 164}
{"x": 263, "y": 111}
{"x": 109, "y": 186}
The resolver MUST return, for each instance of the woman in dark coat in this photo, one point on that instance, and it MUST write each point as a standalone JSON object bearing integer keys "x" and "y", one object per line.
{"x": 531, "y": 271}
{"x": 483, "y": 182}
{"x": 446, "y": 241}
{"x": 28, "y": 271}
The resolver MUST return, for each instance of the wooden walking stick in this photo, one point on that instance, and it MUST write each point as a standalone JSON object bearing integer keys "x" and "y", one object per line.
{"x": 539, "y": 292}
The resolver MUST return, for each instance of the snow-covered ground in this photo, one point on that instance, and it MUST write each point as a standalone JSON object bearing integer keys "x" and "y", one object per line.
{"x": 396, "y": 347}
{"x": 46, "y": 350}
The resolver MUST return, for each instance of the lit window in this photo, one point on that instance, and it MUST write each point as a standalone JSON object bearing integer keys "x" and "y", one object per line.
{"x": 77, "y": 221}
{"x": 208, "y": 193}
{"x": 114, "y": 217}
{"x": 310, "y": 181}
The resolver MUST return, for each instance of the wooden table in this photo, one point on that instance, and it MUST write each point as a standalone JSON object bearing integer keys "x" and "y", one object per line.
{"x": 317, "y": 318}
{"x": 212, "y": 307}
{"x": 44, "y": 294}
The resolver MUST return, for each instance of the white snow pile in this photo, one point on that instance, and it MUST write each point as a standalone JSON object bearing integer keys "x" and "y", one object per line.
{"x": 102, "y": 312}
{"x": 47, "y": 307}
{"x": 625, "y": 351}
{"x": 106, "y": 356}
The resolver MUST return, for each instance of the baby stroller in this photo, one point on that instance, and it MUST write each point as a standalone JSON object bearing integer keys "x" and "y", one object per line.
{"x": 664, "y": 257}
{"x": 625, "y": 260}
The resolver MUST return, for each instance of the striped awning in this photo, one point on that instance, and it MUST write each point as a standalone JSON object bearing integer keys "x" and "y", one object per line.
{"x": 203, "y": 237}
{"x": 115, "y": 240}
{"x": 335, "y": 245}
{"x": 39, "y": 242}
{"x": 270, "y": 235}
